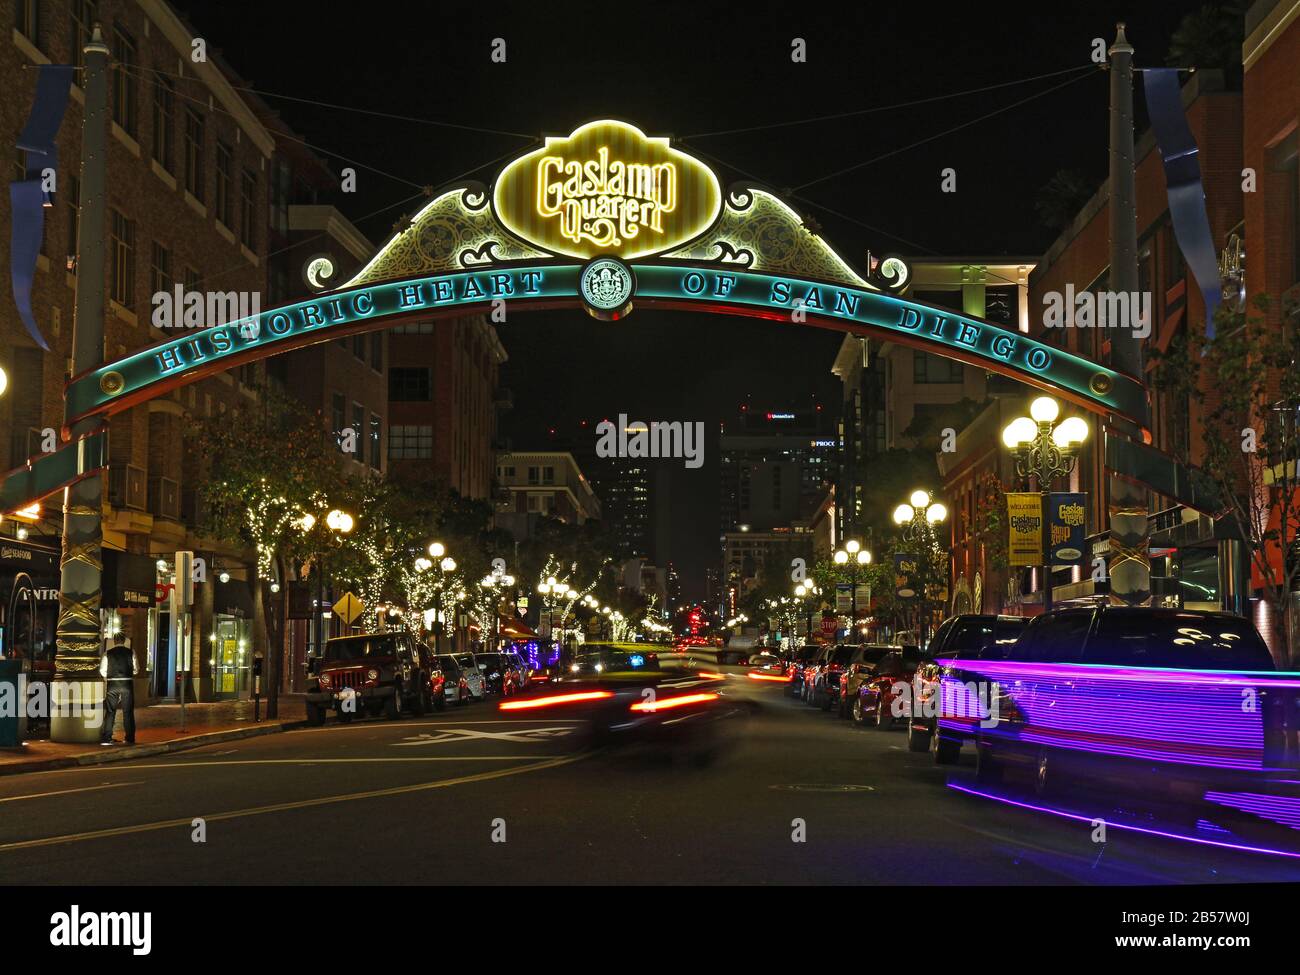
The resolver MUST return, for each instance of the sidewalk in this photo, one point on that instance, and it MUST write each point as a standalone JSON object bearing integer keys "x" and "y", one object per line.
{"x": 158, "y": 730}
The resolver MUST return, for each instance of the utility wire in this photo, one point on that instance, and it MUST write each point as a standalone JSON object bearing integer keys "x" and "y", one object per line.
{"x": 939, "y": 135}
{"x": 887, "y": 108}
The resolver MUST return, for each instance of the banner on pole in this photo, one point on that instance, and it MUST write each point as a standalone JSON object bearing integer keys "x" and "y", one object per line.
{"x": 1067, "y": 514}
{"x": 1025, "y": 528}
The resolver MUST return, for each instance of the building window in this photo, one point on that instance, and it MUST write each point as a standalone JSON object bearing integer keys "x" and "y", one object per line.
{"x": 194, "y": 136}
{"x": 123, "y": 248}
{"x": 935, "y": 369}
{"x": 224, "y": 203}
{"x": 192, "y": 280}
{"x": 160, "y": 269}
{"x": 280, "y": 196}
{"x": 534, "y": 475}
{"x": 414, "y": 328}
{"x": 410, "y": 384}
{"x": 28, "y": 19}
{"x": 83, "y": 14}
{"x": 377, "y": 351}
{"x": 359, "y": 429}
{"x": 338, "y": 417}
{"x": 359, "y": 347}
{"x": 124, "y": 82}
{"x": 164, "y": 120}
{"x": 74, "y": 215}
{"x": 410, "y": 442}
{"x": 548, "y": 475}
{"x": 248, "y": 210}
{"x": 376, "y": 439}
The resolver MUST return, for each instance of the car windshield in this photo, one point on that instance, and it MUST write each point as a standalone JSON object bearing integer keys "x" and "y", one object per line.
{"x": 489, "y": 659}
{"x": 361, "y": 647}
{"x": 842, "y": 655}
{"x": 448, "y": 665}
{"x": 616, "y": 660}
{"x": 1183, "y": 640}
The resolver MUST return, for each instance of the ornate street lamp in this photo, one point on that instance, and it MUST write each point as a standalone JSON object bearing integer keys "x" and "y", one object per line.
{"x": 809, "y": 594}
{"x": 339, "y": 523}
{"x": 856, "y": 558}
{"x": 1045, "y": 450}
{"x": 916, "y": 520}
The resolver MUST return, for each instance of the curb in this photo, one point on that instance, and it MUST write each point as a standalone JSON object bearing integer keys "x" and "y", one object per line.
{"x": 144, "y": 751}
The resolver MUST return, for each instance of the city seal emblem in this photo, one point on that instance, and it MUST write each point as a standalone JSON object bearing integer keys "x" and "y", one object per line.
{"x": 606, "y": 285}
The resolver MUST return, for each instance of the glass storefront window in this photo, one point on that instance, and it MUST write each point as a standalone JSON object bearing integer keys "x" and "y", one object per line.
{"x": 232, "y": 657}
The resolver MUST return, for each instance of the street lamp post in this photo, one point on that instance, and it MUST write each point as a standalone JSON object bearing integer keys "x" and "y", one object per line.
{"x": 446, "y": 564}
{"x": 808, "y": 593}
{"x": 493, "y": 582}
{"x": 339, "y": 523}
{"x": 1046, "y": 450}
{"x": 550, "y": 589}
{"x": 856, "y": 558}
{"x": 916, "y": 521}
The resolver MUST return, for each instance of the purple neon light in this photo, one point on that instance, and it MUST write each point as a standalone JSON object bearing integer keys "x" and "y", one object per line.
{"x": 1184, "y": 717}
{"x": 1110, "y": 823}
{"x": 1280, "y": 809}
{"x": 1206, "y": 826}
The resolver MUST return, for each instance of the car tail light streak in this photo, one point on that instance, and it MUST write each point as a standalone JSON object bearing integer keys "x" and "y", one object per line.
{"x": 667, "y": 703}
{"x": 1192, "y": 717}
{"x": 709, "y": 675}
{"x": 776, "y": 677}
{"x": 554, "y": 699}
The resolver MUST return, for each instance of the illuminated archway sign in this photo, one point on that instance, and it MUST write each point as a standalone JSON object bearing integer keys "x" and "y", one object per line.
{"x": 609, "y": 219}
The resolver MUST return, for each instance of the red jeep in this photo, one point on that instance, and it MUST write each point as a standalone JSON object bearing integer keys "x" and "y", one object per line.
{"x": 373, "y": 672}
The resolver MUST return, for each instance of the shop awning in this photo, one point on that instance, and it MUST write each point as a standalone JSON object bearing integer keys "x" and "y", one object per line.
{"x": 517, "y": 629}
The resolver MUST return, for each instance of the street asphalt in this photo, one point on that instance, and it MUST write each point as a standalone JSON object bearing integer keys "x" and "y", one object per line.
{"x": 472, "y": 796}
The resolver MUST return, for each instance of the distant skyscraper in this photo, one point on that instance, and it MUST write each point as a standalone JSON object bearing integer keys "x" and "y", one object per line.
{"x": 621, "y": 483}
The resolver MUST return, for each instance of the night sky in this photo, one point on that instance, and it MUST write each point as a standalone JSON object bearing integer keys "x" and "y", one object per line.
{"x": 685, "y": 70}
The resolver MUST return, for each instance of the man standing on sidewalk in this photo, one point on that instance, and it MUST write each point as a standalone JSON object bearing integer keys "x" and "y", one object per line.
{"x": 119, "y": 669}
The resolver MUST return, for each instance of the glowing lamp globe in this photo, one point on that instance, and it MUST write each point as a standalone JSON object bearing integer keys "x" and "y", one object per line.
{"x": 1018, "y": 431}
{"x": 936, "y": 513}
{"x": 1072, "y": 430}
{"x": 903, "y": 514}
{"x": 919, "y": 498}
{"x": 1044, "y": 409}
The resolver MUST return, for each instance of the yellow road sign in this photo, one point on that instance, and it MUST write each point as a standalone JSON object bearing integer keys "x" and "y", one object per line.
{"x": 349, "y": 608}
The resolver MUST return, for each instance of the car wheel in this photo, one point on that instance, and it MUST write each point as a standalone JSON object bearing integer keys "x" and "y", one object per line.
{"x": 421, "y": 703}
{"x": 463, "y": 699}
{"x": 315, "y": 715}
{"x": 393, "y": 705}
{"x": 827, "y": 700}
{"x": 440, "y": 701}
{"x": 345, "y": 716}
{"x": 946, "y": 751}
{"x": 884, "y": 720}
{"x": 1045, "y": 775}
{"x": 918, "y": 739}
{"x": 988, "y": 770}
{"x": 858, "y": 717}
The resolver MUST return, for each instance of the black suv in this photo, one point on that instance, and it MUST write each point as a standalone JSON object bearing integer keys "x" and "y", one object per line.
{"x": 969, "y": 636}
{"x": 1052, "y": 714}
{"x": 386, "y": 672}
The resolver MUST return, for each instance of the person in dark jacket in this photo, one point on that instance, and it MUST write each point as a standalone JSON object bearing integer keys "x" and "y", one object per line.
{"x": 118, "y": 668}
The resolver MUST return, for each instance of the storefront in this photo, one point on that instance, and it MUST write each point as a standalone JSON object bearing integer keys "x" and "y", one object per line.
{"x": 230, "y": 643}
{"x": 29, "y": 600}
{"x": 129, "y": 593}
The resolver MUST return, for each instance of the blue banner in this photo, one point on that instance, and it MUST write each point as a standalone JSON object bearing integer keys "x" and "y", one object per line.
{"x": 27, "y": 199}
{"x": 1183, "y": 177}
{"x": 1067, "y": 515}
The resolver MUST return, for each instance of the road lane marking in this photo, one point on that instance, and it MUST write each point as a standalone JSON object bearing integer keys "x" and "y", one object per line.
{"x": 64, "y": 792}
{"x": 330, "y": 761}
{"x": 186, "y": 821}
{"x": 525, "y": 735}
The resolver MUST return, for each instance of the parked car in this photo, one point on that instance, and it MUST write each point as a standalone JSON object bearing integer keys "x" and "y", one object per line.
{"x": 811, "y": 669}
{"x": 501, "y": 673}
{"x": 474, "y": 677}
{"x": 877, "y": 697}
{"x": 521, "y": 665}
{"x": 1061, "y": 717}
{"x": 455, "y": 684}
{"x": 801, "y": 657}
{"x": 768, "y": 664}
{"x": 967, "y": 636}
{"x": 373, "y": 672}
{"x": 861, "y": 666}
